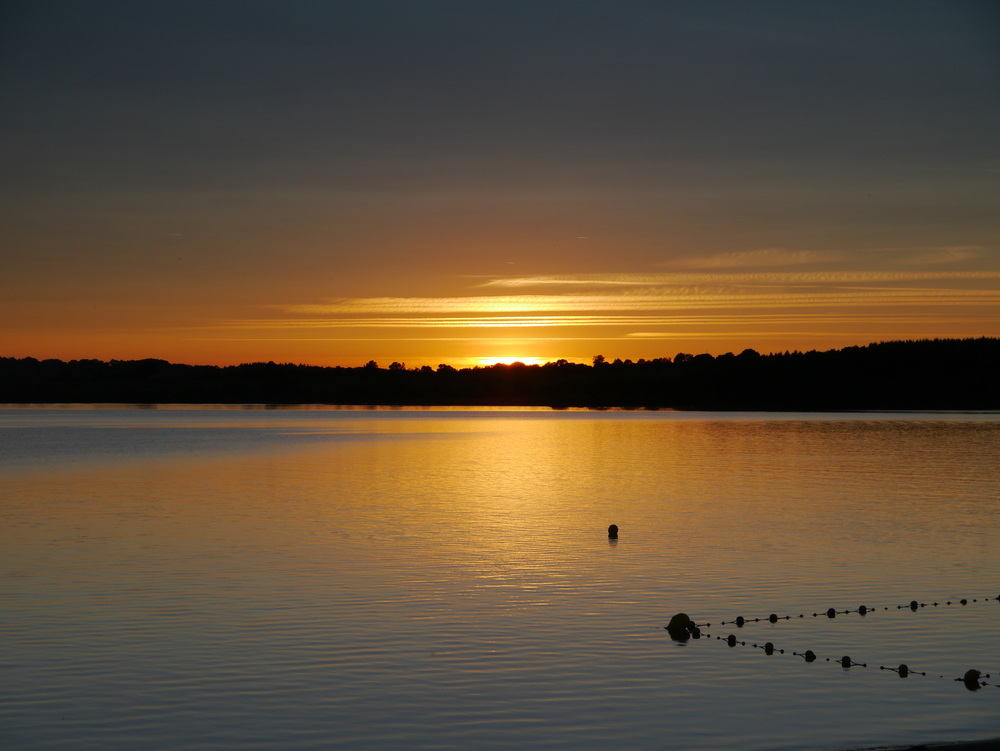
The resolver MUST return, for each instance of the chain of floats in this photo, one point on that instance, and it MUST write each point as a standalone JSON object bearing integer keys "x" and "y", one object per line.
{"x": 682, "y": 628}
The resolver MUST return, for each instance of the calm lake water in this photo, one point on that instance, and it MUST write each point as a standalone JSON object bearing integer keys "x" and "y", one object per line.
{"x": 297, "y": 579}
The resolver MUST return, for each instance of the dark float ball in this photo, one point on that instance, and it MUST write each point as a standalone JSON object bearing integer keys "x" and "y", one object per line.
{"x": 613, "y": 531}
{"x": 681, "y": 627}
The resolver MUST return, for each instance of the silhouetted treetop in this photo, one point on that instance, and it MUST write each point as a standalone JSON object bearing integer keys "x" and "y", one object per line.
{"x": 940, "y": 374}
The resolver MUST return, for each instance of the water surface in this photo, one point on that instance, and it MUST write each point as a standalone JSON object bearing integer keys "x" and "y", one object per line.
{"x": 198, "y": 578}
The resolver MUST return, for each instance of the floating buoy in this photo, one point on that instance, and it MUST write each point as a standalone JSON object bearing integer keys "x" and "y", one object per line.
{"x": 964, "y": 602}
{"x": 810, "y": 656}
{"x": 680, "y": 626}
{"x": 903, "y": 671}
{"x": 971, "y": 679}
{"x": 845, "y": 661}
{"x": 731, "y": 641}
{"x": 769, "y": 649}
{"x": 613, "y": 531}
{"x": 862, "y": 610}
{"x": 679, "y": 622}
{"x": 740, "y": 621}
{"x": 831, "y": 613}
{"x": 773, "y": 618}
{"x": 913, "y": 605}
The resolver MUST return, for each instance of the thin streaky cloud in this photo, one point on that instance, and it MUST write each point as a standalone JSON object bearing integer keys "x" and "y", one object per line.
{"x": 515, "y": 340}
{"x": 768, "y": 278}
{"x": 756, "y": 258}
{"x": 725, "y": 334}
{"x": 945, "y": 255}
{"x": 569, "y": 321}
{"x": 646, "y": 300}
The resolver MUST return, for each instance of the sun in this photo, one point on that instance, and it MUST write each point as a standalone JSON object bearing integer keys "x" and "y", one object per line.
{"x": 485, "y": 362}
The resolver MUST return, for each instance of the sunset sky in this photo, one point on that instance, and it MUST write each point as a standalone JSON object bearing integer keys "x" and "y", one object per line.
{"x": 429, "y": 182}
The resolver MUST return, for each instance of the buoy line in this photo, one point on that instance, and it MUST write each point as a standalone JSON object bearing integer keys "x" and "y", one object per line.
{"x": 971, "y": 678}
{"x": 682, "y": 628}
{"x": 740, "y": 621}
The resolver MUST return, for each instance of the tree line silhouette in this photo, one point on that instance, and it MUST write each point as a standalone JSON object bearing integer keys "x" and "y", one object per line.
{"x": 939, "y": 374}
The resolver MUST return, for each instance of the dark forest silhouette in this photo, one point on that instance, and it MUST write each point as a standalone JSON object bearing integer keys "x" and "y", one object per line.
{"x": 940, "y": 374}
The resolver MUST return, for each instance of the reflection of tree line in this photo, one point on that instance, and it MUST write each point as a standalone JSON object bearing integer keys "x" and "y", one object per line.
{"x": 938, "y": 374}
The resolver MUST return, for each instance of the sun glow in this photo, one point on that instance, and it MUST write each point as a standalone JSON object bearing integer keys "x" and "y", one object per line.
{"x": 488, "y": 361}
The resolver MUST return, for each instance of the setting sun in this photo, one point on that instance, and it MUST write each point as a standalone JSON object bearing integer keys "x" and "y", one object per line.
{"x": 488, "y": 361}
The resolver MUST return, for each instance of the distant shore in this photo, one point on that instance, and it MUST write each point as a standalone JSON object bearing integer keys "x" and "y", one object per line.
{"x": 988, "y": 745}
{"x": 940, "y": 374}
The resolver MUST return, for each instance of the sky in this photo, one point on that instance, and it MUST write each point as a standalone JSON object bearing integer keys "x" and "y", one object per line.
{"x": 471, "y": 182}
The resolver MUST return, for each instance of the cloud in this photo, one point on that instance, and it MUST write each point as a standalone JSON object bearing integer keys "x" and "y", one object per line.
{"x": 709, "y": 318}
{"x": 750, "y": 278}
{"x": 649, "y": 299}
{"x": 755, "y": 258}
{"x": 945, "y": 255}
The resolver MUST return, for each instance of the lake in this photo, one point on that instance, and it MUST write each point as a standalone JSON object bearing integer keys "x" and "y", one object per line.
{"x": 192, "y": 578}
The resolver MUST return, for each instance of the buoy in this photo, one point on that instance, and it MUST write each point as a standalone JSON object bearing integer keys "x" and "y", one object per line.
{"x": 964, "y": 602}
{"x": 862, "y": 610}
{"x": 696, "y": 632}
{"x": 731, "y": 640}
{"x": 679, "y": 627}
{"x": 679, "y": 622}
{"x": 971, "y": 679}
{"x": 769, "y": 649}
{"x": 913, "y": 605}
{"x": 845, "y": 661}
{"x": 773, "y": 618}
{"x": 903, "y": 671}
{"x": 740, "y": 621}
{"x": 831, "y": 613}
{"x": 613, "y": 531}
{"x": 810, "y": 656}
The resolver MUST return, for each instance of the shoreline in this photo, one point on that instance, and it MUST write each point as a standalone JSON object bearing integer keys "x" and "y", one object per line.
{"x": 992, "y": 744}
